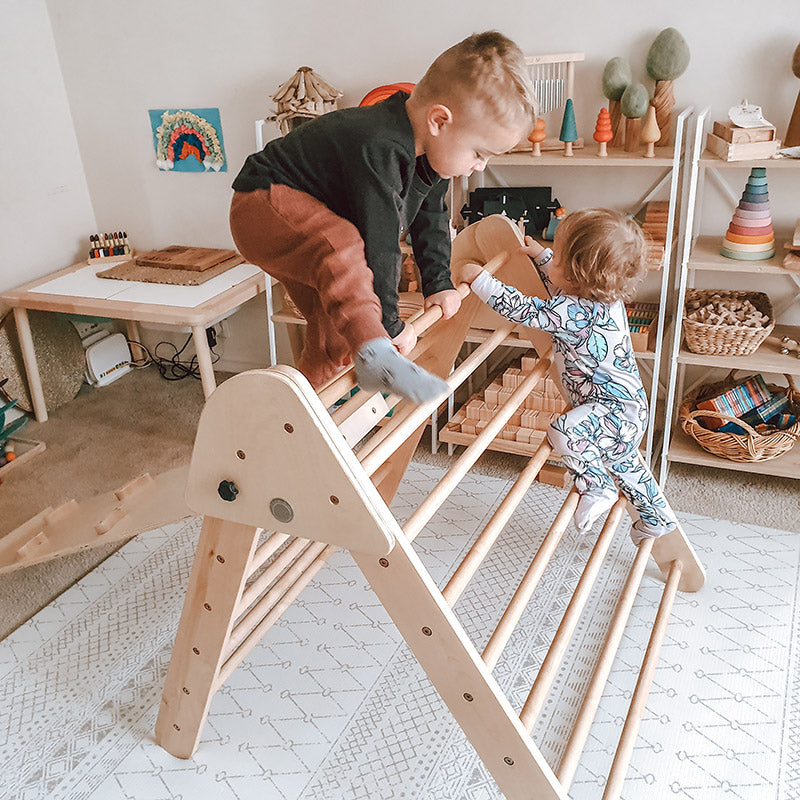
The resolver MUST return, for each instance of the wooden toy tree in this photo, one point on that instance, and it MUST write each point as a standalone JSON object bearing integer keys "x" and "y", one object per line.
{"x": 633, "y": 105}
{"x": 537, "y": 136}
{"x": 650, "y": 132}
{"x": 793, "y": 131}
{"x": 569, "y": 132}
{"x": 603, "y": 132}
{"x": 616, "y": 79}
{"x": 667, "y": 60}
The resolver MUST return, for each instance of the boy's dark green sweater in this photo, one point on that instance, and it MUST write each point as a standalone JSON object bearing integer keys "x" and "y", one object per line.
{"x": 361, "y": 163}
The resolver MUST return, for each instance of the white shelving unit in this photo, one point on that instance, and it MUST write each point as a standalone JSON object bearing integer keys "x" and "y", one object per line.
{"x": 668, "y": 162}
{"x": 702, "y": 254}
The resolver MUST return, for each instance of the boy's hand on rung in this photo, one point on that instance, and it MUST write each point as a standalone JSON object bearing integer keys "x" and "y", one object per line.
{"x": 449, "y": 300}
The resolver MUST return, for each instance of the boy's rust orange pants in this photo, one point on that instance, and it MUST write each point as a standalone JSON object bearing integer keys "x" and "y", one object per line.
{"x": 319, "y": 258}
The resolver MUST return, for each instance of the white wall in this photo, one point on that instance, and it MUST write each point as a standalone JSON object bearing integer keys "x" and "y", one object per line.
{"x": 120, "y": 59}
{"x": 45, "y": 210}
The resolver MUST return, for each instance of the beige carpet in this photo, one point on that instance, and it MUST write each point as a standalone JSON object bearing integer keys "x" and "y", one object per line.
{"x": 106, "y": 436}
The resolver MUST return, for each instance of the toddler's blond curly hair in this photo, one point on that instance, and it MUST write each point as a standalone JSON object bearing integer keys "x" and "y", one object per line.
{"x": 603, "y": 253}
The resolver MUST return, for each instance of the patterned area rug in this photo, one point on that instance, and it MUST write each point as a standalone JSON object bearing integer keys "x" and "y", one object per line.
{"x": 332, "y": 705}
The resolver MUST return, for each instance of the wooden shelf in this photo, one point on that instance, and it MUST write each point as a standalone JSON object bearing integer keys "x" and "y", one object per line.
{"x": 25, "y": 450}
{"x": 585, "y": 157}
{"x": 685, "y": 450}
{"x": 766, "y": 359}
{"x": 705, "y": 255}
{"x": 708, "y": 159}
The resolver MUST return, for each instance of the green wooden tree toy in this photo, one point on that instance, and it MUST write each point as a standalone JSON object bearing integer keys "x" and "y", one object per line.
{"x": 667, "y": 60}
{"x": 569, "y": 131}
{"x": 617, "y": 77}
{"x": 634, "y": 103}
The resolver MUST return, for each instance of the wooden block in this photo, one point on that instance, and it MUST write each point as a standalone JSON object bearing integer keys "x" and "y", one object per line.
{"x": 133, "y": 486}
{"x": 741, "y": 151}
{"x": 105, "y": 525}
{"x": 553, "y": 475}
{"x": 796, "y": 236}
{"x": 726, "y": 130}
{"x": 176, "y": 256}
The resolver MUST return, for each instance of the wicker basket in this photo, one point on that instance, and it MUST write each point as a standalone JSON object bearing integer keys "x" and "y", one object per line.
{"x": 726, "y": 340}
{"x": 751, "y": 446}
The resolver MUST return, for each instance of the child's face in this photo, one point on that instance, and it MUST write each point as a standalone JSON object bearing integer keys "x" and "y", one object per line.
{"x": 458, "y": 146}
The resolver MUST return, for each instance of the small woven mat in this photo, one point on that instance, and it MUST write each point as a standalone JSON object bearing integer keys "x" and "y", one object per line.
{"x": 131, "y": 271}
{"x": 59, "y": 353}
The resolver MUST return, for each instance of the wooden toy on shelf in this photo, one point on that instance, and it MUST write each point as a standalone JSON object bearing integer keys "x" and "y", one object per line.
{"x": 744, "y": 136}
{"x": 536, "y": 137}
{"x": 789, "y": 346}
{"x": 792, "y": 258}
{"x": 650, "y": 132}
{"x": 105, "y": 247}
{"x": 656, "y": 220}
{"x": 569, "y": 131}
{"x": 271, "y": 472}
{"x": 303, "y": 97}
{"x": 553, "y": 80}
{"x": 793, "y": 131}
{"x": 617, "y": 77}
{"x": 750, "y": 236}
{"x": 633, "y": 105}
{"x": 667, "y": 60}
{"x": 603, "y": 132}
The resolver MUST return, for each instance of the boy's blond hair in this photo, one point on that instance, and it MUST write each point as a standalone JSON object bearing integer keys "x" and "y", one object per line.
{"x": 603, "y": 254}
{"x": 487, "y": 69}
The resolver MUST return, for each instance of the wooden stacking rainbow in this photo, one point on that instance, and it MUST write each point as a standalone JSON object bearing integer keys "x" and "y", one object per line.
{"x": 750, "y": 236}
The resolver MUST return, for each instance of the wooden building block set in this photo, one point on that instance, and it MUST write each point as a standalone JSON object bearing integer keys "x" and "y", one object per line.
{"x": 642, "y": 322}
{"x": 656, "y": 218}
{"x": 733, "y": 143}
{"x": 280, "y": 489}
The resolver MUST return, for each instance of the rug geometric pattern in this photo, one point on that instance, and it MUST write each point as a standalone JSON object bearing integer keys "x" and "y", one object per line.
{"x": 331, "y": 704}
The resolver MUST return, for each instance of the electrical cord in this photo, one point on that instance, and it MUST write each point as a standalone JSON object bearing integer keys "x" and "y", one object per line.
{"x": 172, "y": 368}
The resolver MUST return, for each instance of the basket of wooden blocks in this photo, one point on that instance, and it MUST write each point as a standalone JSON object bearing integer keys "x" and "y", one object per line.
{"x": 726, "y": 323}
{"x": 743, "y": 420}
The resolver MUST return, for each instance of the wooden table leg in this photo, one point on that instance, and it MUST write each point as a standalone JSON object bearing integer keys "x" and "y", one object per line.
{"x": 132, "y": 329}
{"x": 204, "y": 359}
{"x": 31, "y": 365}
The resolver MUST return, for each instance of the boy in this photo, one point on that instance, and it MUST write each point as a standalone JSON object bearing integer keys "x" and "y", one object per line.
{"x": 323, "y": 209}
{"x": 596, "y": 262}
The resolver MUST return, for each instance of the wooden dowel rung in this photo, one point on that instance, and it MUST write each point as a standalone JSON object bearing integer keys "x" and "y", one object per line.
{"x": 616, "y": 777}
{"x": 519, "y": 602}
{"x": 480, "y": 549}
{"x": 396, "y": 433}
{"x": 243, "y": 628}
{"x": 264, "y": 551}
{"x": 434, "y": 501}
{"x": 269, "y": 575}
{"x": 238, "y": 654}
{"x": 594, "y": 692}
{"x": 549, "y": 669}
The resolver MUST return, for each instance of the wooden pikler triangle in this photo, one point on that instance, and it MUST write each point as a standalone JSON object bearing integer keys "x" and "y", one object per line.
{"x": 281, "y": 488}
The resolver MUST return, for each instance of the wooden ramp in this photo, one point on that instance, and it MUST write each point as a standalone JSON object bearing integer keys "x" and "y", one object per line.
{"x": 281, "y": 464}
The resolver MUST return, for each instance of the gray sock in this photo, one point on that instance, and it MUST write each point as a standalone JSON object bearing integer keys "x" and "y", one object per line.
{"x": 380, "y": 366}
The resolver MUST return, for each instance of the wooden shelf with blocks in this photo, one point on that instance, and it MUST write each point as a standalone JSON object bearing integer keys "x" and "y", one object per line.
{"x": 525, "y": 431}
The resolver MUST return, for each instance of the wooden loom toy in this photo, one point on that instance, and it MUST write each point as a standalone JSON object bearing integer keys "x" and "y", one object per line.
{"x": 269, "y": 456}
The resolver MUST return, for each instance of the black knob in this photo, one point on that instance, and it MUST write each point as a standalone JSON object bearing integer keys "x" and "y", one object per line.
{"x": 228, "y": 490}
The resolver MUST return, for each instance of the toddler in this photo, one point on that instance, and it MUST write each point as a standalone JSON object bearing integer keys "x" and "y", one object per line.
{"x": 323, "y": 209}
{"x": 596, "y": 261}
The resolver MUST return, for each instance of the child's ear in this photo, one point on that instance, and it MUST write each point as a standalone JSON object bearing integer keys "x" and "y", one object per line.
{"x": 438, "y": 117}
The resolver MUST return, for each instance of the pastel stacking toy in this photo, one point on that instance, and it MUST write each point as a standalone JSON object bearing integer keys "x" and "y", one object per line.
{"x": 750, "y": 236}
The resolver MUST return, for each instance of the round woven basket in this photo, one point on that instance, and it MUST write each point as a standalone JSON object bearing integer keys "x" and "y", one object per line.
{"x": 751, "y": 446}
{"x": 726, "y": 340}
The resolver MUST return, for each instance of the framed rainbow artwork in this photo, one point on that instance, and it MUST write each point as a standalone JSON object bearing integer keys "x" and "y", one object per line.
{"x": 188, "y": 140}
